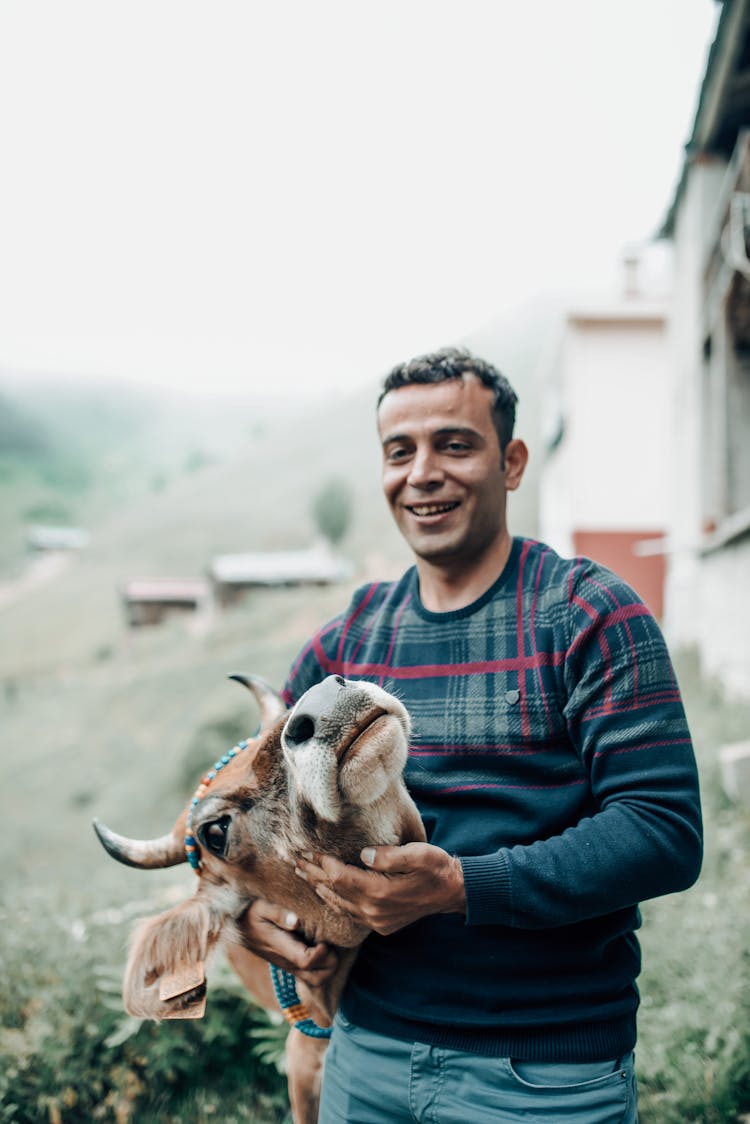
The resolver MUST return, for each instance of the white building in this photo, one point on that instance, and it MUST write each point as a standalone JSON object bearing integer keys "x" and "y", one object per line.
{"x": 606, "y": 429}
{"x": 708, "y": 580}
{"x": 233, "y": 574}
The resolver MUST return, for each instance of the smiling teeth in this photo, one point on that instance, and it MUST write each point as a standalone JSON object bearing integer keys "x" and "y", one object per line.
{"x": 432, "y": 508}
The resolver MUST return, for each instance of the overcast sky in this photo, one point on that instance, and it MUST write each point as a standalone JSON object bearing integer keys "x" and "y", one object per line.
{"x": 306, "y": 191}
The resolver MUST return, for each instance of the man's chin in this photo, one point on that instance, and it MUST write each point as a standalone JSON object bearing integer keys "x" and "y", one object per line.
{"x": 437, "y": 549}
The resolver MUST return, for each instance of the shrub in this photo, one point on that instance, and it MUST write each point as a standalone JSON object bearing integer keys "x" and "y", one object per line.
{"x": 694, "y": 1047}
{"x": 69, "y": 1053}
{"x": 332, "y": 509}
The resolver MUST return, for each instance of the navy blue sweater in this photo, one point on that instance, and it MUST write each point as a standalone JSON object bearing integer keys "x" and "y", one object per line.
{"x": 550, "y": 752}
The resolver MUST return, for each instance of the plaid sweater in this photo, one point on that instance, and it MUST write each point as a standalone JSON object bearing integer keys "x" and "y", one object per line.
{"x": 550, "y": 751}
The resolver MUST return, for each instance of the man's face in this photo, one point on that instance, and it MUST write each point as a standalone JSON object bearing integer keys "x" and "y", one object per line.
{"x": 443, "y": 472}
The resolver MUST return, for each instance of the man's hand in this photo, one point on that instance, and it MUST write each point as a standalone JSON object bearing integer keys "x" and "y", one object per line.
{"x": 272, "y": 932}
{"x": 400, "y": 885}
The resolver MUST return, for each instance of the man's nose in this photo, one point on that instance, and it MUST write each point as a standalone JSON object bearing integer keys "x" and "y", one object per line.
{"x": 425, "y": 470}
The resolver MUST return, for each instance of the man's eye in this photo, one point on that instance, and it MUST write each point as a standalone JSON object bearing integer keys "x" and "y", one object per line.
{"x": 457, "y": 447}
{"x": 213, "y": 835}
{"x": 393, "y": 456}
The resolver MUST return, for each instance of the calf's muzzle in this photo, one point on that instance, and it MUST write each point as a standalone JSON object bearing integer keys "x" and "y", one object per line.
{"x": 318, "y": 702}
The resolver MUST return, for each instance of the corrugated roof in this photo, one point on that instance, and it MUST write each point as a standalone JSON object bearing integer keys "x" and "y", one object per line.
{"x": 274, "y": 568}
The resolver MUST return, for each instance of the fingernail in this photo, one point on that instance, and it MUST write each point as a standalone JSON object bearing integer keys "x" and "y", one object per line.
{"x": 307, "y": 855}
{"x": 368, "y": 856}
{"x": 300, "y": 873}
{"x": 290, "y": 920}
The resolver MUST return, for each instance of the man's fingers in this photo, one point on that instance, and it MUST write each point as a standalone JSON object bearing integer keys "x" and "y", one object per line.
{"x": 328, "y": 871}
{"x": 305, "y": 958}
{"x": 332, "y": 899}
{"x": 275, "y": 914}
{"x": 318, "y": 956}
{"x": 395, "y": 860}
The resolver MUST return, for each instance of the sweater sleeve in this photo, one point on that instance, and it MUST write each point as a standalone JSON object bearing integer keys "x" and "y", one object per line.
{"x": 309, "y": 666}
{"x": 626, "y": 721}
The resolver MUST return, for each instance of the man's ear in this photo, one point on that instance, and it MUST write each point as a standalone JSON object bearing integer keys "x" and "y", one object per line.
{"x": 165, "y": 975}
{"x": 516, "y": 459}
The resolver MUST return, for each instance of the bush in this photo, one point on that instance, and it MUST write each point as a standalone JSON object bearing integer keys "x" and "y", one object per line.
{"x": 332, "y": 509}
{"x": 69, "y": 1053}
{"x": 694, "y": 1047}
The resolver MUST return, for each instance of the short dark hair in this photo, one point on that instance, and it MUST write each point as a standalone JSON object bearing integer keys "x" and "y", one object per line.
{"x": 454, "y": 363}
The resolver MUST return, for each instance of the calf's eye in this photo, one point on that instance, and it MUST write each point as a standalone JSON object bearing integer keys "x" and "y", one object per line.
{"x": 213, "y": 835}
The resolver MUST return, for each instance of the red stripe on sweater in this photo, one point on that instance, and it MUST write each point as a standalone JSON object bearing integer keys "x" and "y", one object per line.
{"x": 438, "y": 671}
{"x": 637, "y": 748}
{"x": 617, "y": 616}
{"x": 628, "y": 633}
{"x": 525, "y": 723}
{"x": 394, "y": 633}
{"x": 532, "y": 630}
{"x": 313, "y": 645}
{"x": 352, "y": 618}
{"x": 645, "y": 702}
{"x": 510, "y": 787}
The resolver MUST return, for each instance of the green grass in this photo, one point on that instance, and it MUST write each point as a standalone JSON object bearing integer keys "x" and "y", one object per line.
{"x": 694, "y": 1047}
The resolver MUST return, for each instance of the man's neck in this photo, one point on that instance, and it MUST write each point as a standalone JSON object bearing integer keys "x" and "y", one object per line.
{"x": 445, "y": 587}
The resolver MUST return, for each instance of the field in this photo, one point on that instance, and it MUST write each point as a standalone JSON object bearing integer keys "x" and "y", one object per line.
{"x": 100, "y": 720}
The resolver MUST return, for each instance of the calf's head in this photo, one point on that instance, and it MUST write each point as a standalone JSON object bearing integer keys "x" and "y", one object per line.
{"x": 326, "y": 776}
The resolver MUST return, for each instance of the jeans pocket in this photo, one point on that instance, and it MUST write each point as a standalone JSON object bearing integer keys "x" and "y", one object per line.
{"x": 340, "y": 1020}
{"x": 557, "y": 1077}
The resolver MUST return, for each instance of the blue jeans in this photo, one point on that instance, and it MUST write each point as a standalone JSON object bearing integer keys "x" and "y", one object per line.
{"x": 370, "y": 1079}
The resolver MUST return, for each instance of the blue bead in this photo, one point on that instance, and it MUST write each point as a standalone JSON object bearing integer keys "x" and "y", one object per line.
{"x": 194, "y": 801}
{"x": 210, "y": 774}
{"x": 232, "y": 752}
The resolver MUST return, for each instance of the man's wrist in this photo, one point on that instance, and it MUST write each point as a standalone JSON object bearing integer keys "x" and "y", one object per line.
{"x": 456, "y": 902}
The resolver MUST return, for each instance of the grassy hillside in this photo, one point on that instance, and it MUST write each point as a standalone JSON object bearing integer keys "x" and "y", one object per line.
{"x": 110, "y": 713}
{"x": 74, "y": 454}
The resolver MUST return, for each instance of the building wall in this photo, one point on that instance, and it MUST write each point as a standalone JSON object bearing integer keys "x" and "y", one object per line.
{"x": 723, "y": 609}
{"x": 686, "y": 480}
{"x": 707, "y": 591}
{"x": 619, "y": 430}
{"x": 621, "y": 551}
{"x": 604, "y": 485}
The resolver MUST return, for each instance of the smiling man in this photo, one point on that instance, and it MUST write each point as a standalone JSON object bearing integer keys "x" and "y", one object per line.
{"x": 445, "y": 477}
{"x": 554, "y": 772}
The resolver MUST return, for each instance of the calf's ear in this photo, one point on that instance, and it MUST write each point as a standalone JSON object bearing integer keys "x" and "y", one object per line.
{"x": 165, "y": 976}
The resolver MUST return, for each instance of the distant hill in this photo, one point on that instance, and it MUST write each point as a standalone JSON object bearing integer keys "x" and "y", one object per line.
{"x": 23, "y": 437}
{"x": 73, "y": 453}
{"x": 218, "y": 473}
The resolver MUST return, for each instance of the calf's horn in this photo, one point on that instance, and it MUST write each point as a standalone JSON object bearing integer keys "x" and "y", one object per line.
{"x": 147, "y": 854}
{"x": 271, "y": 704}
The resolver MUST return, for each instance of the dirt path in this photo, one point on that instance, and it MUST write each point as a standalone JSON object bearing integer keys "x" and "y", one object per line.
{"x": 41, "y": 569}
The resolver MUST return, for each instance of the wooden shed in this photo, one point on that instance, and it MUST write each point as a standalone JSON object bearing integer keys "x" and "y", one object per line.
{"x": 148, "y": 601}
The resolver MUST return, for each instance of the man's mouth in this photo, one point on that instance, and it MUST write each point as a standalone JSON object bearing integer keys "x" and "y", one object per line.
{"x": 424, "y": 509}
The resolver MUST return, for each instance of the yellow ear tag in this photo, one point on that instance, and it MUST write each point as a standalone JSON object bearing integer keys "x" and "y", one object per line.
{"x": 187, "y": 984}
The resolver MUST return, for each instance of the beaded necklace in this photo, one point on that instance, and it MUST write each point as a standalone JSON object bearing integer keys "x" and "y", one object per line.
{"x": 191, "y": 845}
{"x": 284, "y": 983}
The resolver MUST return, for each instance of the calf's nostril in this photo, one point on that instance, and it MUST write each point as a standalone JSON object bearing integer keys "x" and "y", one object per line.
{"x": 340, "y": 680}
{"x": 300, "y": 729}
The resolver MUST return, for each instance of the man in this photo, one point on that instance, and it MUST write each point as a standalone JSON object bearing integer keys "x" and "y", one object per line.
{"x": 552, "y": 766}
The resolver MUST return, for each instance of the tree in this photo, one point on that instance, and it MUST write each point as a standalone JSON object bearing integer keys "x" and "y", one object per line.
{"x": 332, "y": 508}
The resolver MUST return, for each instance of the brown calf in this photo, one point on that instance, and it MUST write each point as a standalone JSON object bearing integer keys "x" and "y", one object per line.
{"x": 325, "y": 777}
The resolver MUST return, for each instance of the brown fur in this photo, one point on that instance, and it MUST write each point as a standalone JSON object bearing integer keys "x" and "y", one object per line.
{"x": 277, "y": 807}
